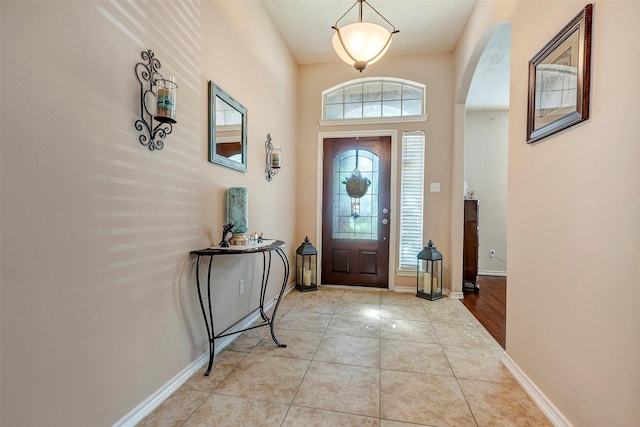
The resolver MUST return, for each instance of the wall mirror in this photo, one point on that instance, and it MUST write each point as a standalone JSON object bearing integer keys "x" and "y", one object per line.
{"x": 227, "y": 130}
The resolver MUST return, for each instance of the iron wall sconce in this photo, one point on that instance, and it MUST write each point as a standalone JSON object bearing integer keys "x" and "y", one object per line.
{"x": 163, "y": 92}
{"x": 429, "y": 286}
{"x": 273, "y": 159}
{"x": 306, "y": 267}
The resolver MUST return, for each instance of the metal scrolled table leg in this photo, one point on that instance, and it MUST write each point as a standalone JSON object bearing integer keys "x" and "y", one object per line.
{"x": 285, "y": 263}
{"x": 266, "y": 270}
{"x": 210, "y": 333}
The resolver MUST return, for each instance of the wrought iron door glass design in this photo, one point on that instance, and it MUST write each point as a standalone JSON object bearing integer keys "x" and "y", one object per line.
{"x": 364, "y": 225}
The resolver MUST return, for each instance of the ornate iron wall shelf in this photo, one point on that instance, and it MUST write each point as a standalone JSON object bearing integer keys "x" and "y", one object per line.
{"x": 272, "y": 159}
{"x": 151, "y": 82}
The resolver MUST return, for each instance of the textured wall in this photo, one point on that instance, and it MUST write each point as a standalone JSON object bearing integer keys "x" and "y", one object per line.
{"x": 572, "y": 323}
{"x": 98, "y": 300}
{"x": 486, "y": 174}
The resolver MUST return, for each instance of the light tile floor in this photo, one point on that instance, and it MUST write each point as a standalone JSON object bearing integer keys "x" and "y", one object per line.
{"x": 357, "y": 358}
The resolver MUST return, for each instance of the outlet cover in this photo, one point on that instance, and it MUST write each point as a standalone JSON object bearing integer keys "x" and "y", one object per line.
{"x": 435, "y": 187}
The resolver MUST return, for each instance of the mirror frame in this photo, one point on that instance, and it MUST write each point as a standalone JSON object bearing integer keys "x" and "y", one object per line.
{"x": 214, "y": 157}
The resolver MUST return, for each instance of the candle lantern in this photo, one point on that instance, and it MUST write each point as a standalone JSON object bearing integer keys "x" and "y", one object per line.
{"x": 166, "y": 99}
{"x": 429, "y": 273}
{"x": 306, "y": 267}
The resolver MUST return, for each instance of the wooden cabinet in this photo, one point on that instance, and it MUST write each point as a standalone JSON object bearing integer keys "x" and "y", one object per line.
{"x": 470, "y": 247}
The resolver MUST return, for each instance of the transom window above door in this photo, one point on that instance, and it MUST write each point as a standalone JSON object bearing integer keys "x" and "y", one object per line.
{"x": 372, "y": 100}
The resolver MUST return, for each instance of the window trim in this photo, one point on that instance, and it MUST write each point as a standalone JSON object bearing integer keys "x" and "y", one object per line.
{"x": 373, "y": 121}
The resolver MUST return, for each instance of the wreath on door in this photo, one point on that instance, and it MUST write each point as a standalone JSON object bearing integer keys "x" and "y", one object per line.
{"x": 357, "y": 186}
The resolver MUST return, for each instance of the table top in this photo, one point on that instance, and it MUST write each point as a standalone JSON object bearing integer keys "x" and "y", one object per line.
{"x": 265, "y": 246}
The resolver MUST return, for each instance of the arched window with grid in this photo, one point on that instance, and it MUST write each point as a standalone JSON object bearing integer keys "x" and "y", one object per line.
{"x": 370, "y": 98}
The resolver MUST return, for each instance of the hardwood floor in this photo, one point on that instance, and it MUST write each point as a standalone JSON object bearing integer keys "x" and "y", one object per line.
{"x": 489, "y": 305}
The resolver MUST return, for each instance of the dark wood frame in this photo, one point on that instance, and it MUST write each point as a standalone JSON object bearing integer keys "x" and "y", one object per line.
{"x": 356, "y": 249}
{"x": 581, "y": 25}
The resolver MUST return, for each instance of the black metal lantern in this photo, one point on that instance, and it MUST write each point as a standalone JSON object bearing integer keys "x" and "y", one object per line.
{"x": 306, "y": 267}
{"x": 429, "y": 273}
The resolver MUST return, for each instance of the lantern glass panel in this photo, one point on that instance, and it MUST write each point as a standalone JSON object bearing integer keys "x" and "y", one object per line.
{"x": 299, "y": 269}
{"x": 307, "y": 271}
{"x": 437, "y": 277}
{"x": 424, "y": 282}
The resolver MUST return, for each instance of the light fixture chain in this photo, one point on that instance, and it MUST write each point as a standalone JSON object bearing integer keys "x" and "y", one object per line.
{"x": 379, "y": 14}
{"x": 345, "y": 14}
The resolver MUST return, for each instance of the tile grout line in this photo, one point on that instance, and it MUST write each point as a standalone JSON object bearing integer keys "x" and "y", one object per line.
{"x": 308, "y": 366}
{"x": 380, "y": 361}
{"x": 213, "y": 392}
{"x": 456, "y": 378}
{"x": 433, "y": 314}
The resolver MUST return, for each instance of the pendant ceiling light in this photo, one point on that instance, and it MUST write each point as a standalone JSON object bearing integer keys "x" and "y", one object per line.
{"x": 362, "y": 43}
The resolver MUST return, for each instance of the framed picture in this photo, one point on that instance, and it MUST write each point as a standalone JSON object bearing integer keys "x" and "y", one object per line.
{"x": 559, "y": 80}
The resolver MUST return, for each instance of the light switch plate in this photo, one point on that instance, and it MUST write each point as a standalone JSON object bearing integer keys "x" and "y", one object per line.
{"x": 435, "y": 187}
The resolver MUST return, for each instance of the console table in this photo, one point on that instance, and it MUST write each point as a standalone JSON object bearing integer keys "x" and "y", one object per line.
{"x": 266, "y": 248}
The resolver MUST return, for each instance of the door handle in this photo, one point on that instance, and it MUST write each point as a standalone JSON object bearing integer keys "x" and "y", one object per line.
{"x": 385, "y": 221}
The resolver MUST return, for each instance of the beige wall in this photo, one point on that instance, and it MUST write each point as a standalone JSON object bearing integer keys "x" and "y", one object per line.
{"x": 98, "y": 301}
{"x": 572, "y": 324}
{"x": 435, "y": 71}
{"x": 485, "y": 171}
{"x": 98, "y": 309}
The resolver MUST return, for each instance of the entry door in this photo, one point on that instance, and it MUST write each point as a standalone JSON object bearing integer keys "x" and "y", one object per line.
{"x": 355, "y": 230}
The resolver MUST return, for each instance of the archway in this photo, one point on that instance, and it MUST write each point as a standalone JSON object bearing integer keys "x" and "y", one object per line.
{"x": 490, "y": 55}
{"x": 483, "y": 95}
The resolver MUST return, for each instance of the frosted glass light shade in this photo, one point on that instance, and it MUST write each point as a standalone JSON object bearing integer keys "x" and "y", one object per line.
{"x": 365, "y": 42}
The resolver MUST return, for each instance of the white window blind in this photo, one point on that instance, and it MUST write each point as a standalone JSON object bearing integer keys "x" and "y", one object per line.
{"x": 411, "y": 198}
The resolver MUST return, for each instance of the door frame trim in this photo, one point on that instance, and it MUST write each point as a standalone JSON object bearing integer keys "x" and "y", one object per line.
{"x": 393, "y": 133}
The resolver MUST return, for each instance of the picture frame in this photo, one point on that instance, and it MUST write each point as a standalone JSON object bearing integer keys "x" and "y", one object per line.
{"x": 559, "y": 80}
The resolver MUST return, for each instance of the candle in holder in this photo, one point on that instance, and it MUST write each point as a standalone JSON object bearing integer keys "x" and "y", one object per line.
{"x": 427, "y": 282}
{"x": 306, "y": 277}
{"x": 166, "y": 98}
{"x": 275, "y": 157}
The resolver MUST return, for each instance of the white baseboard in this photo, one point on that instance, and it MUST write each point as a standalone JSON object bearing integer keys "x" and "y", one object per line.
{"x": 445, "y": 292}
{"x": 453, "y": 295}
{"x": 152, "y": 402}
{"x": 492, "y": 273}
{"x": 546, "y": 406}
{"x": 404, "y": 289}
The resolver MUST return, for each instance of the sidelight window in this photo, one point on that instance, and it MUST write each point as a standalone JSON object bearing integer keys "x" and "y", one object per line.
{"x": 411, "y": 198}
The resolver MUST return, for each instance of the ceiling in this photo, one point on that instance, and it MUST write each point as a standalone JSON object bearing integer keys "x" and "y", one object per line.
{"x": 426, "y": 26}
